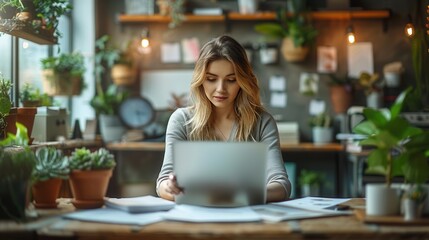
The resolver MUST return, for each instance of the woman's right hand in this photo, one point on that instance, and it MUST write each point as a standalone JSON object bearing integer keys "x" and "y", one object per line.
{"x": 169, "y": 188}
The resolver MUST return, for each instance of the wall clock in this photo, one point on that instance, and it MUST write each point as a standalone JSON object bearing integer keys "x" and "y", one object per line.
{"x": 136, "y": 112}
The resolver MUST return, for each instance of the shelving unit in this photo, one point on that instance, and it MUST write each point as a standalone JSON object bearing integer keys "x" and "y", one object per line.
{"x": 261, "y": 16}
{"x": 25, "y": 31}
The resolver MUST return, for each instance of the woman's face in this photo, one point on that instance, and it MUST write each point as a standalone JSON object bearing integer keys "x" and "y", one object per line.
{"x": 220, "y": 85}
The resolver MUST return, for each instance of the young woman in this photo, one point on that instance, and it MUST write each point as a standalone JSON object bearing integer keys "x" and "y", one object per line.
{"x": 226, "y": 106}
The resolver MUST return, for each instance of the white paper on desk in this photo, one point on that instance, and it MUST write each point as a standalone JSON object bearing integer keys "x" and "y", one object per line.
{"x": 109, "y": 215}
{"x": 313, "y": 203}
{"x": 277, "y": 213}
{"x": 188, "y": 213}
{"x": 170, "y": 52}
{"x": 360, "y": 59}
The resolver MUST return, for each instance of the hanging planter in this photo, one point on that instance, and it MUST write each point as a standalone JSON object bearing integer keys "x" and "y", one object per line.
{"x": 293, "y": 53}
{"x": 61, "y": 84}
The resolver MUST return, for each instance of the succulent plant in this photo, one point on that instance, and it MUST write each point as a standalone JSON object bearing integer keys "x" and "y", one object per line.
{"x": 50, "y": 163}
{"x": 84, "y": 159}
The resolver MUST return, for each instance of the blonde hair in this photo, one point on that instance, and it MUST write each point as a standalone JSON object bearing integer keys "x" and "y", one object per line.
{"x": 247, "y": 104}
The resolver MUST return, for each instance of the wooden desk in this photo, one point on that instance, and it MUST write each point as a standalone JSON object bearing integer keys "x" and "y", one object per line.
{"x": 341, "y": 227}
{"x": 160, "y": 146}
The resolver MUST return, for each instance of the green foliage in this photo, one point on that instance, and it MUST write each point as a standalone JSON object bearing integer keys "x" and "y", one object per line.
{"x": 50, "y": 163}
{"x": 308, "y": 177}
{"x": 321, "y": 120}
{"x": 84, "y": 159}
{"x": 17, "y": 161}
{"x": 340, "y": 81}
{"x": 71, "y": 63}
{"x": 105, "y": 56}
{"x": 51, "y": 11}
{"x": 29, "y": 93}
{"x": 108, "y": 102}
{"x": 418, "y": 99}
{"x": 19, "y": 139}
{"x": 5, "y": 103}
{"x": 294, "y": 25}
{"x": 11, "y": 3}
{"x": 400, "y": 148}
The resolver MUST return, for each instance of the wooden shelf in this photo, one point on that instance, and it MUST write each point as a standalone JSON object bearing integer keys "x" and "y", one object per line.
{"x": 261, "y": 16}
{"x": 25, "y": 31}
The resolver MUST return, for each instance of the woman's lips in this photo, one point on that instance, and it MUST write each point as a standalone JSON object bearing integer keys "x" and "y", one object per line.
{"x": 220, "y": 98}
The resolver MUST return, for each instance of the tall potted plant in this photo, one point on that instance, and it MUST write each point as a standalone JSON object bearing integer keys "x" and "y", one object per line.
{"x": 89, "y": 176}
{"x": 341, "y": 93}
{"x": 399, "y": 149}
{"x": 63, "y": 74}
{"x": 50, "y": 169}
{"x": 7, "y": 118}
{"x": 295, "y": 30}
{"x": 17, "y": 161}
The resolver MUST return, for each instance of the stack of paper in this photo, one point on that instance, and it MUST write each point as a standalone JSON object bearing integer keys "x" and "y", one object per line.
{"x": 140, "y": 204}
{"x": 288, "y": 132}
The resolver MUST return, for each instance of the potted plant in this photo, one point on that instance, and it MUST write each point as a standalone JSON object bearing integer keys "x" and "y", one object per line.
{"x": 294, "y": 29}
{"x": 399, "y": 149}
{"x": 50, "y": 12}
{"x": 50, "y": 169}
{"x": 7, "y": 118}
{"x": 341, "y": 93}
{"x": 89, "y": 176}
{"x": 310, "y": 182}
{"x": 119, "y": 62}
{"x": 372, "y": 85}
{"x": 174, "y": 9}
{"x": 63, "y": 74}
{"x": 9, "y": 9}
{"x": 16, "y": 164}
{"x": 413, "y": 202}
{"x": 322, "y": 128}
{"x": 32, "y": 97}
{"x": 106, "y": 104}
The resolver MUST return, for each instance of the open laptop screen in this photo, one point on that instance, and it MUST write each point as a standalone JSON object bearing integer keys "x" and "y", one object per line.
{"x": 221, "y": 174}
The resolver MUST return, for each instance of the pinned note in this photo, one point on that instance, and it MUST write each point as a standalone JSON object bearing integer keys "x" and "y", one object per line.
{"x": 278, "y": 99}
{"x": 170, "y": 52}
{"x": 317, "y": 107}
{"x": 277, "y": 83}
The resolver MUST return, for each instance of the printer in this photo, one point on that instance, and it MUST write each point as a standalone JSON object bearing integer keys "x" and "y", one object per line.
{"x": 50, "y": 124}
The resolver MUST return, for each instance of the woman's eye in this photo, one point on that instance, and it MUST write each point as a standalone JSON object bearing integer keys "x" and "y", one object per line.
{"x": 211, "y": 79}
{"x": 231, "y": 80}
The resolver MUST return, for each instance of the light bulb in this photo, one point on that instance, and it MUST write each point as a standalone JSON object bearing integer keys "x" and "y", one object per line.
{"x": 145, "y": 43}
{"x": 350, "y": 35}
{"x": 409, "y": 30}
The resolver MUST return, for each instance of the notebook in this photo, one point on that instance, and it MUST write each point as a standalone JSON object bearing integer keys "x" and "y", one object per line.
{"x": 221, "y": 174}
{"x": 139, "y": 204}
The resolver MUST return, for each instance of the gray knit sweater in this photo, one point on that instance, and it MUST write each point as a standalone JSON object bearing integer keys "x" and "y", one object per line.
{"x": 264, "y": 131}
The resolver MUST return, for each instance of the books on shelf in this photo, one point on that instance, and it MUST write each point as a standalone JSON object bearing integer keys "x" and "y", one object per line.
{"x": 139, "y": 204}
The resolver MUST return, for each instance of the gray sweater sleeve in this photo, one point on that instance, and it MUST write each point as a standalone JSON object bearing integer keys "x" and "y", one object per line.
{"x": 265, "y": 131}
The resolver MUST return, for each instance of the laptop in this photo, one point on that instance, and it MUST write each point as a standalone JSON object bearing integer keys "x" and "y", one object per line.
{"x": 221, "y": 174}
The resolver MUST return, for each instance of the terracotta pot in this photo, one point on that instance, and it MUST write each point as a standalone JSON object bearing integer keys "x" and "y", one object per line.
{"x": 45, "y": 193}
{"x": 123, "y": 74}
{"x": 292, "y": 53}
{"x": 55, "y": 84}
{"x": 89, "y": 187}
{"x": 31, "y": 103}
{"x": 26, "y": 117}
{"x": 340, "y": 98}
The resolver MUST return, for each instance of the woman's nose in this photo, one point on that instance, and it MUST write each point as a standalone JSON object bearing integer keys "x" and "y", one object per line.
{"x": 220, "y": 85}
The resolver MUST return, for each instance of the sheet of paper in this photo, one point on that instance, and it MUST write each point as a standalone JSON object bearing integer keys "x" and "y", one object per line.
{"x": 326, "y": 59}
{"x": 191, "y": 49}
{"x": 276, "y": 213}
{"x": 170, "y": 52}
{"x": 277, "y": 83}
{"x": 188, "y": 213}
{"x": 109, "y": 215}
{"x": 278, "y": 99}
{"x": 360, "y": 58}
{"x": 313, "y": 203}
{"x": 317, "y": 107}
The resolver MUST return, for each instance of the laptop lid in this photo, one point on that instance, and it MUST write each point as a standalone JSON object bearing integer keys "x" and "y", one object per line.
{"x": 221, "y": 174}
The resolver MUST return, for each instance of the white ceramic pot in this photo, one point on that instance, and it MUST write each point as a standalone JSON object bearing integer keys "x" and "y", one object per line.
{"x": 382, "y": 200}
{"x": 111, "y": 128}
{"x": 392, "y": 79}
{"x": 374, "y": 100}
{"x": 322, "y": 135}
